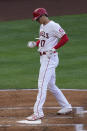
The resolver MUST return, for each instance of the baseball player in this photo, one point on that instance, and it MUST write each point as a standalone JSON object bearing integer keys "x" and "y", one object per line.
{"x": 51, "y": 37}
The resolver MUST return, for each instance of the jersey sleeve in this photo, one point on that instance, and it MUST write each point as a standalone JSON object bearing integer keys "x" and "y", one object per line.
{"x": 37, "y": 43}
{"x": 58, "y": 31}
{"x": 64, "y": 39}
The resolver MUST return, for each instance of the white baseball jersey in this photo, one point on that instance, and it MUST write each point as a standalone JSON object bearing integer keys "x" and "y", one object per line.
{"x": 49, "y": 35}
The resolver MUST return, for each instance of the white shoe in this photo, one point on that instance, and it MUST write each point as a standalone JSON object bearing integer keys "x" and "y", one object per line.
{"x": 64, "y": 111}
{"x": 34, "y": 117}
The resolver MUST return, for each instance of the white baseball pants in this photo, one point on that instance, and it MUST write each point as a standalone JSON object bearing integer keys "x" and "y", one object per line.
{"x": 46, "y": 81}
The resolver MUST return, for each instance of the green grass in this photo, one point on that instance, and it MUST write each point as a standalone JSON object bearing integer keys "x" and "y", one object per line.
{"x": 19, "y": 66}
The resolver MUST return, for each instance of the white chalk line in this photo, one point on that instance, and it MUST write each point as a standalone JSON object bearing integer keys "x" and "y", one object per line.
{"x": 78, "y": 127}
{"x": 79, "y": 110}
{"x": 23, "y": 108}
{"x": 37, "y": 89}
{"x": 60, "y": 117}
{"x": 85, "y": 111}
{"x": 49, "y": 125}
{"x": 48, "y": 117}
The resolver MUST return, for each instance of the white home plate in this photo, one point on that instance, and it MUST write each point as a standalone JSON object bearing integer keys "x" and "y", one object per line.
{"x": 29, "y": 122}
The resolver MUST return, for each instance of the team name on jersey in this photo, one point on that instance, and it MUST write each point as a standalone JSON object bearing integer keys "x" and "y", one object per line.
{"x": 44, "y": 34}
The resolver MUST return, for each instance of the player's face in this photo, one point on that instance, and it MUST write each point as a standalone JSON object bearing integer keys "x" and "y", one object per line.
{"x": 40, "y": 19}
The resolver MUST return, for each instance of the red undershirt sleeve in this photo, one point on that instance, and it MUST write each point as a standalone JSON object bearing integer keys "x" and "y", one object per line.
{"x": 62, "y": 41}
{"x": 37, "y": 43}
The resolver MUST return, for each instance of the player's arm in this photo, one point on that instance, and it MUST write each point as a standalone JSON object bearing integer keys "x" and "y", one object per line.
{"x": 32, "y": 44}
{"x": 37, "y": 43}
{"x": 60, "y": 34}
{"x": 63, "y": 40}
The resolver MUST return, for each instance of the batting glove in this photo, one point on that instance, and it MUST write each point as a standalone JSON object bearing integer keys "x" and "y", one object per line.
{"x": 31, "y": 44}
{"x": 50, "y": 52}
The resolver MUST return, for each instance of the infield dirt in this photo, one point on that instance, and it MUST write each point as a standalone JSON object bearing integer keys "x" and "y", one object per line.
{"x": 17, "y": 105}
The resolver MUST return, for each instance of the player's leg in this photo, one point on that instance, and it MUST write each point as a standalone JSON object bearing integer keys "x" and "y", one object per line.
{"x": 44, "y": 78}
{"x": 61, "y": 99}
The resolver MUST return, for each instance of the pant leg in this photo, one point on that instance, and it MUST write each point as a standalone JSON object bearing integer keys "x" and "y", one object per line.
{"x": 61, "y": 99}
{"x": 44, "y": 78}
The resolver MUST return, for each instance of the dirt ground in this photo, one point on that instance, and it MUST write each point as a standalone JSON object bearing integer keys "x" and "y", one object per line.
{"x": 18, "y": 104}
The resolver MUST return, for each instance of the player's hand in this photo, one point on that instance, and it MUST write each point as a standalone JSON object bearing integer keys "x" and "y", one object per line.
{"x": 50, "y": 52}
{"x": 31, "y": 44}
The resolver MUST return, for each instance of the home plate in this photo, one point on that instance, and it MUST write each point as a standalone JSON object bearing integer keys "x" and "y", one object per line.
{"x": 29, "y": 122}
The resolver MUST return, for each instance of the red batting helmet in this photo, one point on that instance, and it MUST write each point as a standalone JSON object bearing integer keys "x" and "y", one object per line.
{"x": 39, "y": 12}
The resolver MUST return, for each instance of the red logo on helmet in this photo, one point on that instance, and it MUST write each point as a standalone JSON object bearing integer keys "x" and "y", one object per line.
{"x": 39, "y": 12}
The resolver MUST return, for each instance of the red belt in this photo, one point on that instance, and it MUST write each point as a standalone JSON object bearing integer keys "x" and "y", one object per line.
{"x": 44, "y": 53}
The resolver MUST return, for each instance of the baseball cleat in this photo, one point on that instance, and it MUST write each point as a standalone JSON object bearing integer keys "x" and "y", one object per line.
{"x": 64, "y": 111}
{"x": 34, "y": 117}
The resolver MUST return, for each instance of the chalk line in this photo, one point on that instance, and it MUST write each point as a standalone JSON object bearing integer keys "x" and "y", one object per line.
{"x": 42, "y": 125}
{"x": 37, "y": 89}
{"x": 48, "y": 117}
{"x": 23, "y": 108}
